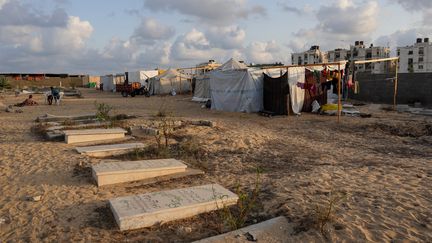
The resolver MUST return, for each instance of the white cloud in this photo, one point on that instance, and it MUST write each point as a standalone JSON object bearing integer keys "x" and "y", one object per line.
{"x": 265, "y": 52}
{"x": 229, "y": 37}
{"x": 150, "y": 30}
{"x": 214, "y": 12}
{"x": 341, "y": 21}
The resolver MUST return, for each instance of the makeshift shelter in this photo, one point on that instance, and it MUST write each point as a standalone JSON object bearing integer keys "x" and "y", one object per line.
{"x": 142, "y": 76}
{"x": 108, "y": 82}
{"x": 275, "y": 95}
{"x": 169, "y": 81}
{"x": 202, "y": 87}
{"x": 236, "y": 88}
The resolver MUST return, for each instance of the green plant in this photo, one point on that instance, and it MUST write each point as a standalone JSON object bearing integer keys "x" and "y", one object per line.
{"x": 324, "y": 213}
{"x": 4, "y": 83}
{"x": 103, "y": 111}
{"x": 236, "y": 217}
{"x": 165, "y": 125}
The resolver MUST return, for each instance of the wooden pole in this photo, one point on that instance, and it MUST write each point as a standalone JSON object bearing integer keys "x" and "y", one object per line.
{"x": 339, "y": 94}
{"x": 395, "y": 86}
{"x": 180, "y": 85}
{"x": 289, "y": 94}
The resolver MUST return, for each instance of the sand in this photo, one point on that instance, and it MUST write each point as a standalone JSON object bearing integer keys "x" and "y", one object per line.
{"x": 382, "y": 164}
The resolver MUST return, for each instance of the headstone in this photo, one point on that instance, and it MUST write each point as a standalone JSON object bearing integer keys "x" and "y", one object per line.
{"x": 93, "y": 135}
{"x": 127, "y": 171}
{"x": 273, "y": 230}
{"x": 139, "y": 211}
{"x": 101, "y": 151}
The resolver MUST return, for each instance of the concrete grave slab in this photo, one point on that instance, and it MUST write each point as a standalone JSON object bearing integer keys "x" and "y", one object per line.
{"x": 127, "y": 171}
{"x": 54, "y": 118}
{"x": 92, "y": 135}
{"x": 145, "y": 210}
{"x": 101, "y": 151}
{"x": 276, "y": 230}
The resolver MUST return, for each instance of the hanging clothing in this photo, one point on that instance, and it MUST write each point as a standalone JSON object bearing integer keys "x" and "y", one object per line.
{"x": 356, "y": 87}
{"x": 275, "y": 94}
{"x": 296, "y": 75}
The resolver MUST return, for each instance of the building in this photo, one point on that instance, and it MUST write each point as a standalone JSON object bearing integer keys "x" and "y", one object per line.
{"x": 416, "y": 58}
{"x": 206, "y": 67}
{"x": 359, "y": 52}
{"x": 312, "y": 56}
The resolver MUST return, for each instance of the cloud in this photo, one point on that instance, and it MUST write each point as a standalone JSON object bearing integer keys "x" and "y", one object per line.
{"x": 423, "y": 6}
{"x": 229, "y": 37}
{"x": 14, "y": 13}
{"x": 265, "y": 52}
{"x": 150, "y": 30}
{"x": 343, "y": 20}
{"x": 214, "y": 12}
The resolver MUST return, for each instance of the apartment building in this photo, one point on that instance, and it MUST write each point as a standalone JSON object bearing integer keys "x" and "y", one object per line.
{"x": 416, "y": 58}
{"x": 312, "y": 56}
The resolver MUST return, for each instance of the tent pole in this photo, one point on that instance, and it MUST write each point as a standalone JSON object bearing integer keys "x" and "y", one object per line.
{"x": 395, "y": 87}
{"x": 289, "y": 95}
{"x": 180, "y": 85}
{"x": 339, "y": 94}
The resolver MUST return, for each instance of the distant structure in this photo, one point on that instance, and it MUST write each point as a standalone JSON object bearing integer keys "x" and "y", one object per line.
{"x": 205, "y": 67}
{"x": 312, "y": 56}
{"x": 359, "y": 52}
{"x": 416, "y": 58}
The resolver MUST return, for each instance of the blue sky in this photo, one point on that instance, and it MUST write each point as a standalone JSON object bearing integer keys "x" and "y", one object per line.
{"x": 109, "y": 36}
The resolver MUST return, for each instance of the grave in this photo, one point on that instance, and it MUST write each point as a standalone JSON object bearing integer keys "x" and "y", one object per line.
{"x": 93, "y": 135}
{"x": 139, "y": 211}
{"x": 128, "y": 171}
{"x": 273, "y": 230}
{"x": 101, "y": 151}
{"x": 54, "y": 118}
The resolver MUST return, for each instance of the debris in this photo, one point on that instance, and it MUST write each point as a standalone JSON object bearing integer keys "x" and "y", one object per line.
{"x": 35, "y": 198}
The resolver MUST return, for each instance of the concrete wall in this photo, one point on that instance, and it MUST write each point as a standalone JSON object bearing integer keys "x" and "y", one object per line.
{"x": 412, "y": 87}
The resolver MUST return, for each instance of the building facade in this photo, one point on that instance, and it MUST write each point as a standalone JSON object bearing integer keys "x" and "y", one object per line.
{"x": 312, "y": 56}
{"x": 359, "y": 52}
{"x": 416, "y": 58}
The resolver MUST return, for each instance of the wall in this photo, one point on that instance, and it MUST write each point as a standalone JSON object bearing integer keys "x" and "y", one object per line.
{"x": 412, "y": 87}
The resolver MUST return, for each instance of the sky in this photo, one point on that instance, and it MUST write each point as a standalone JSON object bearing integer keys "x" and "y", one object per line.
{"x": 112, "y": 36}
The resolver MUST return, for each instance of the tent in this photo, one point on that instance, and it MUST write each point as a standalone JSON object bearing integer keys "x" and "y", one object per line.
{"x": 202, "y": 87}
{"x": 108, "y": 82}
{"x": 171, "y": 80}
{"x": 142, "y": 76}
{"x": 236, "y": 88}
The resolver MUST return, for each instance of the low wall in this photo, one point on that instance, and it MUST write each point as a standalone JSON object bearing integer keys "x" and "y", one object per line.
{"x": 412, "y": 87}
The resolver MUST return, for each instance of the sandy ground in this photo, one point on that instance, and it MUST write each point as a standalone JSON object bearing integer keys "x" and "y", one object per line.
{"x": 382, "y": 164}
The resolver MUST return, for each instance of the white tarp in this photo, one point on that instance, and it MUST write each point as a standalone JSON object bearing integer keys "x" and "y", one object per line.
{"x": 108, "y": 83}
{"x": 236, "y": 88}
{"x": 169, "y": 81}
{"x": 142, "y": 76}
{"x": 202, "y": 87}
{"x": 296, "y": 76}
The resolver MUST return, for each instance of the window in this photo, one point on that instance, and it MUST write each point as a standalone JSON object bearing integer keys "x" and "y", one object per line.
{"x": 420, "y": 66}
{"x": 420, "y": 59}
{"x": 410, "y": 52}
{"x": 421, "y": 51}
{"x": 398, "y": 52}
{"x": 410, "y": 61}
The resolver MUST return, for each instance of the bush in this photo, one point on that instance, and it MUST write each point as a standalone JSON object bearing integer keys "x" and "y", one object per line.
{"x": 103, "y": 111}
{"x": 4, "y": 83}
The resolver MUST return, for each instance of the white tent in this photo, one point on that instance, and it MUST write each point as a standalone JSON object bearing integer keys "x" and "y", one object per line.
{"x": 108, "y": 82}
{"x": 142, "y": 76}
{"x": 169, "y": 81}
{"x": 236, "y": 88}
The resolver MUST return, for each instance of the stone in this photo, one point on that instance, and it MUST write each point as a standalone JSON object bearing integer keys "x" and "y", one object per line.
{"x": 54, "y": 135}
{"x": 204, "y": 123}
{"x": 139, "y": 211}
{"x": 140, "y": 131}
{"x": 93, "y": 135}
{"x": 128, "y": 171}
{"x": 35, "y": 198}
{"x": 54, "y": 118}
{"x": 101, "y": 151}
{"x": 273, "y": 230}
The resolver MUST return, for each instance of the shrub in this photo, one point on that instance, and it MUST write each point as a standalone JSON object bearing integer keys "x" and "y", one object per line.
{"x": 4, "y": 83}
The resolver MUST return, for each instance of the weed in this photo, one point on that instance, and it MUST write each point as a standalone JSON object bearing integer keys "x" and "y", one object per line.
{"x": 103, "y": 111}
{"x": 324, "y": 214}
{"x": 4, "y": 83}
{"x": 236, "y": 217}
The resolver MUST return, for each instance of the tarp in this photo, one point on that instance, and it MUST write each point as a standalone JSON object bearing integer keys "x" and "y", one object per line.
{"x": 108, "y": 83}
{"x": 296, "y": 76}
{"x": 275, "y": 93}
{"x": 236, "y": 88}
{"x": 142, "y": 76}
{"x": 171, "y": 80}
{"x": 202, "y": 87}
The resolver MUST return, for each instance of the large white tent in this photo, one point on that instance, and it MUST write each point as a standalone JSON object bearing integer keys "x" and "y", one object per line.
{"x": 142, "y": 76}
{"x": 236, "y": 88}
{"x": 108, "y": 82}
{"x": 171, "y": 80}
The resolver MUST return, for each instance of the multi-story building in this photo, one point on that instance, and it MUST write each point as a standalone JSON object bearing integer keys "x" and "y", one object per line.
{"x": 416, "y": 58}
{"x": 359, "y": 52}
{"x": 312, "y": 56}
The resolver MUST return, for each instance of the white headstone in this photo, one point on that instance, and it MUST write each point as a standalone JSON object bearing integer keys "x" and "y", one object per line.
{"x": 127, "y": 171}
{"x": 109, "y": 150}
{"x": 145, "y": 210}
{"x": 93, "y": 135}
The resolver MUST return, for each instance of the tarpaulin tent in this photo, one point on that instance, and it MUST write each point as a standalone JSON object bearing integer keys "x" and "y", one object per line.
{"x": 142, "y": 76}
{"x": 202, "y": 87}
{"x": 108, "y": 82}
{"x": 235, "y": 87}
{"x": 171, "y": 80}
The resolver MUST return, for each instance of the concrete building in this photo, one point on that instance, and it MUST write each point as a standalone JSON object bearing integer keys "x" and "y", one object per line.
{"x": 312, "y": 56}
{"x": 416, "y": 58}
{"x": 359, "y": 52}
